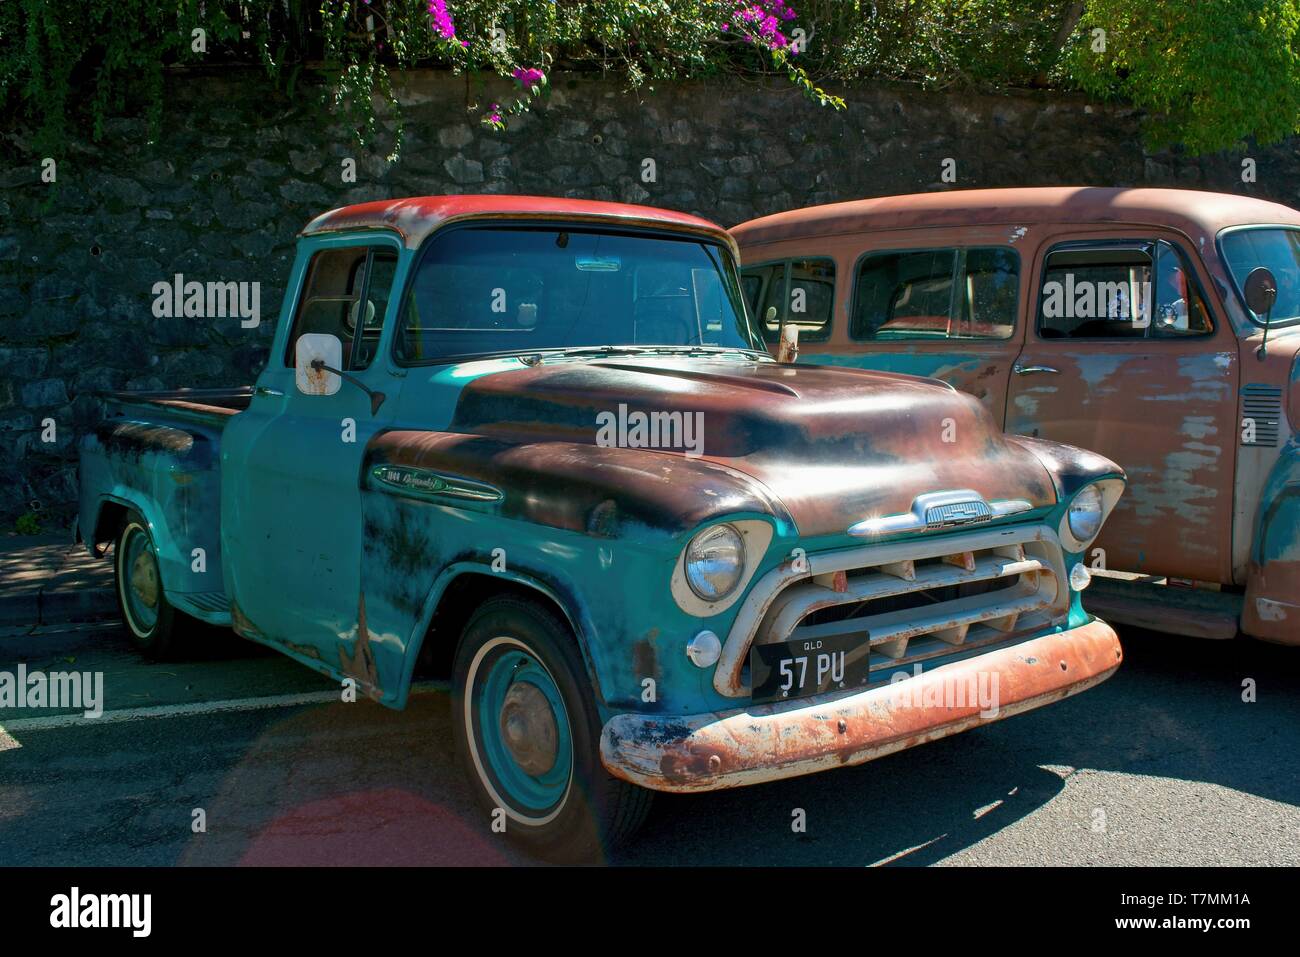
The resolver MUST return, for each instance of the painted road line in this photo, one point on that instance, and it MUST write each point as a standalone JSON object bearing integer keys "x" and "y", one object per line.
{"x": 55, "y": 722}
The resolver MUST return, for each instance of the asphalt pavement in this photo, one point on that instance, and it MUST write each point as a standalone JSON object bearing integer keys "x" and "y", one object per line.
{"x": 1165, "y": 763}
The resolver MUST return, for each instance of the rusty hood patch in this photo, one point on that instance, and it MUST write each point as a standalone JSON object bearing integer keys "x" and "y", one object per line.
{"x": 833, "y": 445}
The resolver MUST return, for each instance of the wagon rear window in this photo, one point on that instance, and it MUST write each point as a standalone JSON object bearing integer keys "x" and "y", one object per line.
{"x": 486, "y": 290}
{"x": 937, "y": 294}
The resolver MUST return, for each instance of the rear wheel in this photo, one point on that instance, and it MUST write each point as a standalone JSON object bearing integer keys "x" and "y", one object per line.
{"x": 528, "y": 735}
{"x": 150, "y": 620}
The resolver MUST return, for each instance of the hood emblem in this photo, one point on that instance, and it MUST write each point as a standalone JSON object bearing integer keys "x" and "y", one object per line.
{"x": 937, "y": 510}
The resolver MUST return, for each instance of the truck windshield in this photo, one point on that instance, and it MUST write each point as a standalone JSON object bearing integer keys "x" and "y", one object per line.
{"x": 1279, "y": 250}
{"x": 488, "y": 290}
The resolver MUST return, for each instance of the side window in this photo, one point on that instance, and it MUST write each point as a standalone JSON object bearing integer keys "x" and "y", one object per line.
{"x": 936, "y": 294}
{"x": 345, "y": 294}
{"x": 1120, "y": 290}
{"x": 797, "y": 291}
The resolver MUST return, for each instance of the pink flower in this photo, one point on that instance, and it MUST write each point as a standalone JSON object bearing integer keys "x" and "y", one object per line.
{"x": 759, "y": 23}
{"x": 528, "y": 77}
{"x": 442, "y": 22}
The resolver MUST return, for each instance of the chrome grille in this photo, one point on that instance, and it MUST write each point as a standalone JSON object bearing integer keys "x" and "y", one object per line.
{"x": 908, "y": 601}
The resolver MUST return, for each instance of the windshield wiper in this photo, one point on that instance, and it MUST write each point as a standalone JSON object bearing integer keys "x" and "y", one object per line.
{"x": 632, "y": 350}
{"x": 703, "y": 350}
{"x": 565, "y": 351}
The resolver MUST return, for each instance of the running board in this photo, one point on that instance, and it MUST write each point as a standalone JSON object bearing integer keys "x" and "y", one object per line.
{"x": 1195, "y": 613}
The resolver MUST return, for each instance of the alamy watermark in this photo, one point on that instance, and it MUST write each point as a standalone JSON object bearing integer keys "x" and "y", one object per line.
{"x": 75, "y": 910}
{"x": 1088, "y": 299}
{"x": 82, "y": 690}
{"x": 651, "y": 430}
{"x": 972, "y": 689}
{"x": 212, "y": 300}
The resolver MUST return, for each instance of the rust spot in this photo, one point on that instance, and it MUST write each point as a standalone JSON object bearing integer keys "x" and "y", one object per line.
{"x": 361, "y": 667}
{"x": 307, "y": 651}
{"x": 645, "y": 659}
{"x": 242, "y": 626}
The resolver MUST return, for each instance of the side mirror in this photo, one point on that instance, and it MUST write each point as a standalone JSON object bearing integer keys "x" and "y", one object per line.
{"x": 312, "y": 353}
{"x": 318, "y": 368}
{"x": 787, "y": 348}
{"x": 1260, "y": 290}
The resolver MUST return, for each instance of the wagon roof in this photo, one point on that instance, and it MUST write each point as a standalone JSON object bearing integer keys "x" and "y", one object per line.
{"x": 1194, "y": 212}
{"x": 415, "y": 218}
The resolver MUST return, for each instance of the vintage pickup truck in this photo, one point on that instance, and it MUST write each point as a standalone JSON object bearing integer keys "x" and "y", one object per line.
{"x": 1118, "y": 320}
{"x": 534, "y": 447}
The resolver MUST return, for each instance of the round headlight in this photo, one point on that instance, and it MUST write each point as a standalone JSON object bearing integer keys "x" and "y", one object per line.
{"x": 1085, "y": 514}
{"x": 715, "y": 559}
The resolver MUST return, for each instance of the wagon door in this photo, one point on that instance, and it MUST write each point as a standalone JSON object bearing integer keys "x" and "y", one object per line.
{"x": 1127, "y": 359}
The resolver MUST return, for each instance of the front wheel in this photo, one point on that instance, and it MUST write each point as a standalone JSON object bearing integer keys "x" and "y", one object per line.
{"x": 528, "y": 735}
{"x": 150, "y": 620}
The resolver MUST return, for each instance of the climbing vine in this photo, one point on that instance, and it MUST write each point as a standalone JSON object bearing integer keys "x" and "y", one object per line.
{"x": 1212, "y": 73}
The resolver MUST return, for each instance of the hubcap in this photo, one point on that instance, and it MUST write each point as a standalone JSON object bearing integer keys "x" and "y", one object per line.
{"x": 519, "y": 728}
{"x": 528, "y": 728}
{"x": 139, "y": 584}
{"x": 144, "y": 579}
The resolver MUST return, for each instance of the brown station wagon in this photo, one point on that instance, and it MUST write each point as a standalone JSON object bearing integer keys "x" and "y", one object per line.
{"x": 1158, "y": 327}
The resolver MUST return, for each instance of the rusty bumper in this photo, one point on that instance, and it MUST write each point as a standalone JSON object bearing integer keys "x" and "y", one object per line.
{"x": 767, "y": 742}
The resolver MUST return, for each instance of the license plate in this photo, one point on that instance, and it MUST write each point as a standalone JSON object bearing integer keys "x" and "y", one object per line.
{"x": 796, "y": 669}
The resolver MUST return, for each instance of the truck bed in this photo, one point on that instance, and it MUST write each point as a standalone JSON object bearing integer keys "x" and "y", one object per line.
{"x": 201, "y": 402}
{"x": 157, "y": 454}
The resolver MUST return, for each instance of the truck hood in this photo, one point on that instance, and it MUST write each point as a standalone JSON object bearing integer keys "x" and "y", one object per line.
{"x": 834, "y": 446}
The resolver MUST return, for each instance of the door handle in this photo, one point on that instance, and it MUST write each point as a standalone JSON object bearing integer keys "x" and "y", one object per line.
{"x": 1018, "y": 369}
{"x": 267, "y": 390}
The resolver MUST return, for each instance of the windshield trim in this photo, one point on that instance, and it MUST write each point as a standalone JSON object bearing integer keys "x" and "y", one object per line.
{"x": 1236, "y": 287}
{"x": 678, "y": 235}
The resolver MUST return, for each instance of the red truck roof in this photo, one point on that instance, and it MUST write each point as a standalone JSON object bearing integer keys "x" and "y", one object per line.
{"x": 415, "y": 218}
{"x": 1193, "y": 212}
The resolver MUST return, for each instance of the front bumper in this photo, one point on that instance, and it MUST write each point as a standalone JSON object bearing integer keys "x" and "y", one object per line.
{"x": 767, "y": 742}
{"x": 1270, "y": 611}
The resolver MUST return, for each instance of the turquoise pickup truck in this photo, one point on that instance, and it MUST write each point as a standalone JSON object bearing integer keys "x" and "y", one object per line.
{"x": 535, "y": 448}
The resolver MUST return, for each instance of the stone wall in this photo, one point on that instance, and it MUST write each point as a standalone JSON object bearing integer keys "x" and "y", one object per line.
{"x": 237, "y": 170}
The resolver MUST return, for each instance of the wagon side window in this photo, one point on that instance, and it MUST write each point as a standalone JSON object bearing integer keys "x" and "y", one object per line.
{"x": 798, "y": 292}
{"x": 936, "y": 294}
{"x": 1120, "y": 290}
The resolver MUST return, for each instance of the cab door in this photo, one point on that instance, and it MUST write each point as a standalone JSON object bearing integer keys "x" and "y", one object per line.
{"x": 1126, "y": 358}
{"x": 291, "y": 470}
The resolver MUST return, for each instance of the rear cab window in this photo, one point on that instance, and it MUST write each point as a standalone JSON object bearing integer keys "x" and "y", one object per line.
{"x": 947, "y": 293}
